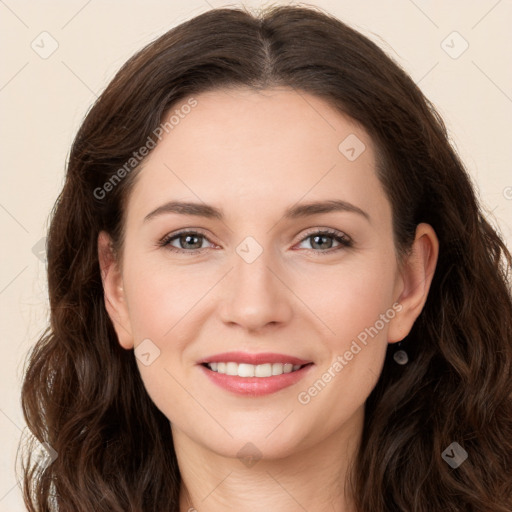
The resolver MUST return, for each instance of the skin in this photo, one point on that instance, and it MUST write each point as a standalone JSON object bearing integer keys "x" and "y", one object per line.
{"x": 254, "y": 154}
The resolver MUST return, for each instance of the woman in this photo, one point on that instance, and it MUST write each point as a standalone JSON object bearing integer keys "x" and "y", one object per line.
{"x": 206, "y": 352}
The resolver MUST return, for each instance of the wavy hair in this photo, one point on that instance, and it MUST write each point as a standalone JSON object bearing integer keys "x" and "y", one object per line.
{"x": 83, "y": 394}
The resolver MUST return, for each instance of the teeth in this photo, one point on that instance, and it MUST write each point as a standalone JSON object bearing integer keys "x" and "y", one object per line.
{"x": 251, "y": 370}
{"x": 262, "y": 370}
{"x": 231, "y": 369}
{"x": 245, "y": 370}
{"x": 277, "y": 368}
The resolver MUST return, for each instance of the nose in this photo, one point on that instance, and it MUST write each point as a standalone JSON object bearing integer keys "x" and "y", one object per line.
{"x": 255, "y": 295}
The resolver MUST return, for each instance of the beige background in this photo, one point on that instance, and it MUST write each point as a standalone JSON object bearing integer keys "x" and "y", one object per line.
{"x": 43, "y": 101}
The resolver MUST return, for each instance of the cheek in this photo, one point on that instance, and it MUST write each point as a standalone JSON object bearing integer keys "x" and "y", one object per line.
{"x": 357, "y": 311}
{"x": 160, "y": 304}
{"x": 159, "y": 297}
{"x": 355, "y": 304}
{"x": 349, "y": 298}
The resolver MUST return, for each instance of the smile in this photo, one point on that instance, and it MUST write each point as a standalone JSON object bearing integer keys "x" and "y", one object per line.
{"x": 251, "y": 370}
{"x": 254, "y": 374}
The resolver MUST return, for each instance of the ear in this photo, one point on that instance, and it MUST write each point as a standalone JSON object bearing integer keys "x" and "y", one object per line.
{"x": 414, "y": 281}
{"x": 115, "y": 300}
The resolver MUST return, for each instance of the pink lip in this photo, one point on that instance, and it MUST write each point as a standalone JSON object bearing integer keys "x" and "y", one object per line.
{"x": 254, "y": 386}
{"x": 245, "y": 357}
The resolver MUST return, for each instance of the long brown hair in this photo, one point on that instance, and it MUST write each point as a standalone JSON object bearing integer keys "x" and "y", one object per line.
{"x": 82, "y": 393}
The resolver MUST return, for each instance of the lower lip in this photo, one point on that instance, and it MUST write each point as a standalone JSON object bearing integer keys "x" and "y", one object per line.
{"x": 255, "y": 386}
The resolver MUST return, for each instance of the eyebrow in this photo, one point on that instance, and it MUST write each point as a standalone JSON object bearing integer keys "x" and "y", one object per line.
{"x": 294, "y": 212}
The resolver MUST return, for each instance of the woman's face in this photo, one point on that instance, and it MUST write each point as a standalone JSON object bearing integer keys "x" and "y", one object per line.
{"x": 255, "y": 280}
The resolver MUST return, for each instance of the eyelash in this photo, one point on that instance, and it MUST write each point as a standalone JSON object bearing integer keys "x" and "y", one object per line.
{"x": 340, "y": 237}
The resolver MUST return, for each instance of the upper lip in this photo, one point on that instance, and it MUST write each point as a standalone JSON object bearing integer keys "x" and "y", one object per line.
{"x": 255, "y": 359}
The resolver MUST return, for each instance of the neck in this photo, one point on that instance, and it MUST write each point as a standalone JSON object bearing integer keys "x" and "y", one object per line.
{"x": 312, "y": 479}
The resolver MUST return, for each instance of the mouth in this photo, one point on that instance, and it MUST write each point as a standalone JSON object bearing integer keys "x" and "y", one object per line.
{"x": 254, "y": 374}
{"x": 246, "y": 370}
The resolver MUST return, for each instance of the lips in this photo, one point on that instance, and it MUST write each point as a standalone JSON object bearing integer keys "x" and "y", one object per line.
{"x": 254, "y": 374}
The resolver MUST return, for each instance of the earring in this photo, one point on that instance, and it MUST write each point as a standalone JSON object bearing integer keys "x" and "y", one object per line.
{"x": 400, "y": 356}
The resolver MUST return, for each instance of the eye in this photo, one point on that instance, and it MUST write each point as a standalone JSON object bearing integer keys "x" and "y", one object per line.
{"x": 188, "y": 242}
{"x": 191, "y": 242}
{"x": 323, "y": 240}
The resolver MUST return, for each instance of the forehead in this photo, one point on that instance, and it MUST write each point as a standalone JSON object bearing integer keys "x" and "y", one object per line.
{"x": 258, "y": 149}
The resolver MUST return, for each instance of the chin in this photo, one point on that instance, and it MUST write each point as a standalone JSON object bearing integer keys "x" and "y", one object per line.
{"x": 265, "y": 442}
